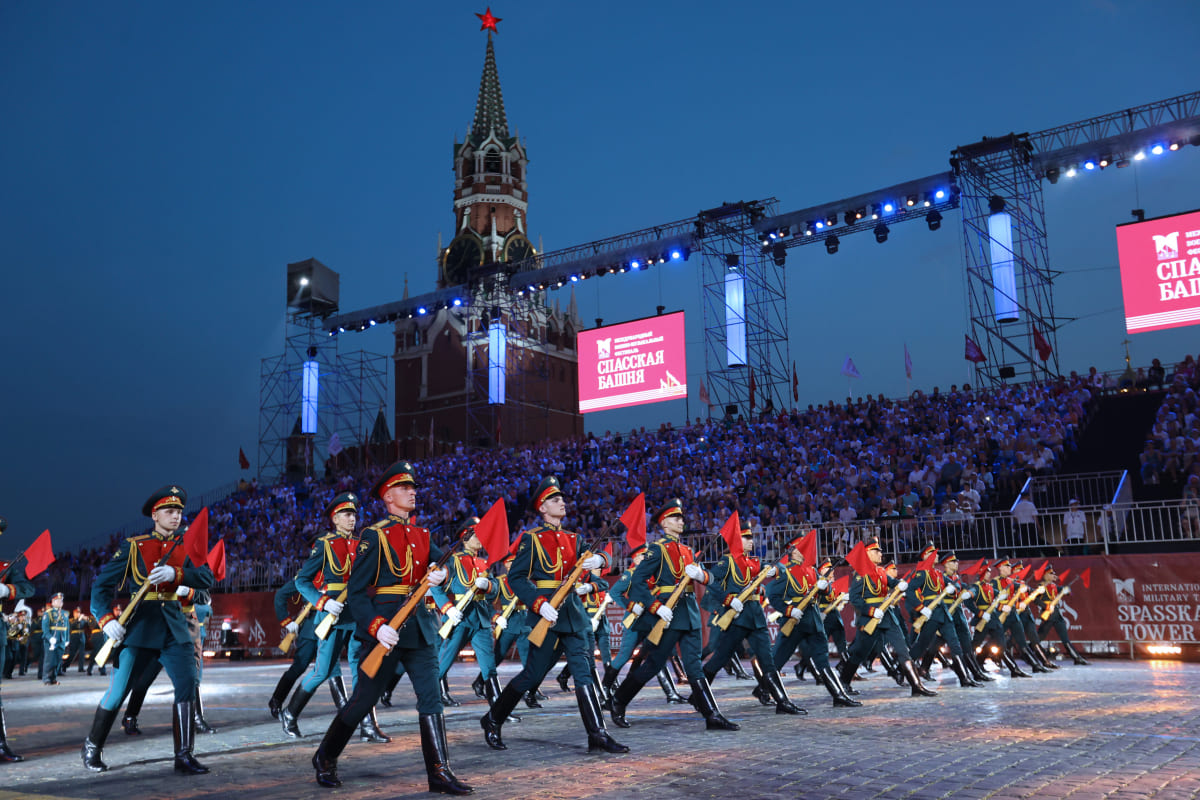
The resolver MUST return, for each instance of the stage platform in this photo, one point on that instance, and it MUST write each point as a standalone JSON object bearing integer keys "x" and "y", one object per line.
{"x": 1116, "y": 729}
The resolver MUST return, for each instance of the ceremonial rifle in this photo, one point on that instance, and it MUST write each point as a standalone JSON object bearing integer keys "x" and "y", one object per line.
{"x": 837, "y": 603}
{"x": 596, "y": 617}
{"x": 962, "y": 595}
{"x": 726, "y": 619}
{"x": 655, "y": 635}
{"x": 286, "y": 643}
{"x": 790, "y": 625}
{"x": 8, "y": 570}
{"x": 462, "y": 603}
{"x": 920, "y": 623}
{"x": 1054, "y": 603}
{"x": 370, "y": 665}
{"x": 326, "y": 625}
{"x": 873, "y": 623}
{"x": 1024, "y": 604}
{"x": 1000, "y": 596}
{"x": 505, "y": 614}
{"x": 538, "y": 634}
{"x": 1013, "y": 600}
{"x": 101, "y": 658}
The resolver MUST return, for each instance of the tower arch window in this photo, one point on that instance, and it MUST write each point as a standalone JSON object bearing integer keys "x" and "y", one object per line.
{"x": 492, "y": 162}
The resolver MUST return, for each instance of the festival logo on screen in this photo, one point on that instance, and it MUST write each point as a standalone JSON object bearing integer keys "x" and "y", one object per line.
{"x": 604, "y": 348}
{"x": 644, "y": 361}
{"x": 1124, "y": 589}
{"x": 1160, "y": 272}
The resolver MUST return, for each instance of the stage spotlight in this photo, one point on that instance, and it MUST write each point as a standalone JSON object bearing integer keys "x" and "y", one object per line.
{"x": 421, "y": 310}
{"x": 635, "y": 264}
{"x": 676, "y": 254}
{"x": 831, "y": 244}
{"x": 888, "y": 208}
{"x": 928, "y": 199}
{"x": 933, "y": 219}
{"x": 1089, "y": 164}
{"x": 1052, "y": 175}
{"x": 820, "y": 224}
{"x": 457, "y": 302}
{"x": 1176, "y": 145}
{"x": 831, "y": 221}
{"x": 1122, "y": 163}
{"x": 1105, "y": 161}
{"x": 808, "y": 229}
{"x": 1140, "y": 155}
{"x": 881, "y": 233}
{"x": 784, "y": 231}
{"x": 1156, "y": 150}
{"x": 911, "y": 200}
{"x": 1071, "y": 172}
{"x": 371, "y": 323}
{"x": 875, "y": 209}
{"x": 780, "y": 254}
{"x": 848, "y": 217}
{"x": 940, "y": 194}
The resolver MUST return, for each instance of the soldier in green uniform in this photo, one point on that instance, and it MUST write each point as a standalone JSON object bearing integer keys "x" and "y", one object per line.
{"x": 786, "y": 592}
{"x": 654, "y": 580}
{"x": 592, "y": 591}
{"x": 394, "y": 556}
{"x": 987, "y": 611}
{"x": 546, "y": 555}
{"x": 320, "y": 580}
{"x": 1014, "y": 589}
{"x": 15, "y": 586}
{"x": 867, "y": 595}
{"x": 157, "y": 630}
{"x": 56, "y": 631}
{"x": 1055, "y": 622}
{"x": 304, "y": 645}
{"x": 958, "y": 619}
{"x": 931, "y": 595}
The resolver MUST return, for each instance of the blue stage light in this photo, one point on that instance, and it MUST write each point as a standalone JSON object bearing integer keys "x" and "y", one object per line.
{"x": 820, "y": 224}
{"x": 421, "y": 310}
{"x": 940, "y": 194}
{"x": 635, "y": 264}
{"x": 676, "y": 255}
{"x": 1089, "y": 165}
{"x": 457, "y": 302}
{"x": 1157, "y": 149}
{"x": 888, "y": 208}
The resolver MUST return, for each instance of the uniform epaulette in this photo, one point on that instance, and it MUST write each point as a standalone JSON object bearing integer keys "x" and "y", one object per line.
{"x": 378, "y": 526}
{"x": 140, "y": 536}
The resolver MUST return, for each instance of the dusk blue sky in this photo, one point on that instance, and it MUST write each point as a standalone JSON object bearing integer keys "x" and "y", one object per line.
{"x": 161, "y": 163}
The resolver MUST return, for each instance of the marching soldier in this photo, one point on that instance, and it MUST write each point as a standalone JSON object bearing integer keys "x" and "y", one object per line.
{"x": 546, "y": 555}
{"x": 1014, "y": 590}
{"x": 666, "y": 563}
{"x": 958, "y": 618}
{"x": 157, "y": 630}
{"x": 930, "y": 596}
{"x": 304, "y": 645}
{"x": 867, "y": 594}
{"x": 726, "y": 581}
{"x": 785, "y": 593}
{"x": 56, "y": 631}
{"x": 988, "y": 597}
{"x": 394, "y": 556}
{"x": 592, "y": 591}
{"x": 514, "y": 630}
{"x": 1055, "y": 622}
{"x": 322, "y": 578}
{"x": 632, "y": 637}
{"x": 16, "y": 587}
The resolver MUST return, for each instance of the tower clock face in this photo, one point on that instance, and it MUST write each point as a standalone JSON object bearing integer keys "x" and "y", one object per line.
{"x": 464, "y": 253}
{"x": 517, "y": 249}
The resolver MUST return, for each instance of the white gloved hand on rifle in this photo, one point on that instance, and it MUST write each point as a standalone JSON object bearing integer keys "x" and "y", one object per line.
{"x": 951, "y": 590}
{"x": 796, "y": 613}
{"x": 502, "y": 622}
{"x": 822, "y": 584}
{"x": 114, "y": 630}
{"x": 695, "y": 572}
{"x": 770, "y": 572}
{"x": 877, "y": 613}
{"x": 665, "y": 614}
{"x": 987, "y": 615}
{"x": 291, "y": 628}
{"x": 182, "y": 591}
{"x": 736, "y": 605}
{"x": 549, "y": 613}
{"x": 593, "y": 561}
{"x": 583, "y": 588}
{"x": 437, "y": 576}
{"x": 163, "y": 573}
{"x": 902, "y": 585}
{"x": 926, "y": 613}
{"x": 333, "y": 606}
{"x": 637, "y": 609}
{"x": 454, "y": 615}
{"x": 482, "y": 583}
{"x": 968, "y": 594}
{"x": 387, "y": 636}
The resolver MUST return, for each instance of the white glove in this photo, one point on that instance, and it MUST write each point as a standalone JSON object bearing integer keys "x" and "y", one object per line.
{"x": 665, "y": 614}
{"x": 502, "y": 622}
{"x": 968, "y": 594}
{"x": 695, "y": 572}
{"x": 3, "y": 590}
{"x": 637, "y": 609}
{"x": 593, "y": 561}
{"x": 1004, "y": 595}
{"x": 822, "y": 584}
{"x": 162, "y": 574}
{"x": 114, "y": 630}
{"x": 877, "y": 613}
{"x": 291, "y": 628}
{"x": 796, "y": 613}
{"x": 1066, "y": 590}
{"x": 736, "y": 605}
{"x": 951, "y": 590}
{"x": 583, "y": 588}
{"x": 53, "y": 642}
{"x": 333, "y": 607}
{"x": 437, "y": 576}
{"x": 482, "y": 583}
{"x": 771, "y": 572}
{"x": 454, "y": 615}
{"x": 926, "y": 613}
{"x": 902, "y": 585}
{"x": 987, "y": 616}
{"x": 387, "y": 636}
{"x": 181, "y": 591}
{"x": 549, "y": 613}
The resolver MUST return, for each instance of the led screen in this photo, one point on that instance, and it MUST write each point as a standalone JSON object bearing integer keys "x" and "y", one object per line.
{"x": 644, "y": 361}
{"x": 1160, "y": 272}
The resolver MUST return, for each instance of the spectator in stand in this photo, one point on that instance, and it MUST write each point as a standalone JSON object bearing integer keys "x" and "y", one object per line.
{"x": 1189, "y": 520}
{"x": 1075, "y": 529}
{"x": 1025, "y": 515}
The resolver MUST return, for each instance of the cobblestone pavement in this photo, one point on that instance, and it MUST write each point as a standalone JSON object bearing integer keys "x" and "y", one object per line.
{"x": 1116, "y": 729}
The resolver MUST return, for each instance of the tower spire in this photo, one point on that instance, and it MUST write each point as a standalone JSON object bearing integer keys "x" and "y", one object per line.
{"x": 489, "y": 108}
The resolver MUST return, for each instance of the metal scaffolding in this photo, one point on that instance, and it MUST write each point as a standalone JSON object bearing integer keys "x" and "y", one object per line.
{"x": 993, "y": 176}
{"x": 731, "y": 247}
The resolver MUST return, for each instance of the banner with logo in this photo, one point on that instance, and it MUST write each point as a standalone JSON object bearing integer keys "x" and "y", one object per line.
{"x": 1160, "y": 272}
{"x": 644, "y": 361}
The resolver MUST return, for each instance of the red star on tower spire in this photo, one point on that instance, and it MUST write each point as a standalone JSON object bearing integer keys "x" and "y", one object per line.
{"x": 489, "y": 21}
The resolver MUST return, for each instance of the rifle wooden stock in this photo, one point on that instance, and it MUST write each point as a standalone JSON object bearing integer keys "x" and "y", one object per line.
{"x": 729, "y": 616}
{"x": 957, "y": 602}
{"x": 538, "y": 634}
{"x": 920, "y": 623}
{"x": 600, "y": 611}
{"x": 1012, "y": 601}
{"x": 370, "y": 665}
{"x": 790, "y": 625}
{"x": 873, "y": 623}
{"x": 101, "y": 658}
{"x": 1025, "y": 603}
{"x": 983, "y": 624}
{"x": 326, "y": 625}
{"x": 286, "y": 643}
{"x": 462, "y": 603}
{"x": 505, "y": 614}
{"x": 630, "y": 619}
{"x": 838, "y": 603}
{"x": 656, "y": 632}
{"x": 1054, "y": 603}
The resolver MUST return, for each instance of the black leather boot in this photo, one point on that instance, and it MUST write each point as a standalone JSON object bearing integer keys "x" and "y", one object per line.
{"x": 818, "y": 675}
{"x": 184, "y": 730}
{"x": 368, "y": 729}
{"x": 202, "y": 725}
{"x": 739, "y": 670}
{"x": 477, "y": 686}
{"x": 385, "y": 699}
{"x": 964, "y": 675}
{"x": 437, "y": 760}
{"x": 337, "y": 689}
{"x": 491, "y": 690}
{"x": 910, "y": 672}
{"x": 133, "y": 708}
{"x": 799, "y": 669}
{"x": 889, "y": 663}
{"x": 926, "y": 666}
{"x": 6, "y": 753}
{"x": 609, "y": 684}
{"x": 845, "y": 671}
{"x": 703, "y": 701}
{"x": 289, "y": 716}
{"x": 599, "y": 739}
{"x": 677, "y": 667}
{"x": 447, "y": 700}
{"x": 761, "y": 692}
{"x": 93, "y": 745}
{"x": 563, "y": 677}
{"x": 493, "y": 720}
{"x": 280, "y": 695}
{"x": 783, "y": 705}
{"x": 1075, "y": 656}
{"x": 977, "y": 671}
{"x": 1042, "y": 653}
{"x": 1034, "y": 662}
{"x": 833, "y": 685}
{"x": 324, "y": 761}
{"x": 668, "y": 686}
{"x": 531, "y": 699}
{"x": 1013, "y": 670}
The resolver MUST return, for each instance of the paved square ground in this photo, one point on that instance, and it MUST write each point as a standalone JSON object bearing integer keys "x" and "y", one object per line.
{"x": 1116, "y": 729}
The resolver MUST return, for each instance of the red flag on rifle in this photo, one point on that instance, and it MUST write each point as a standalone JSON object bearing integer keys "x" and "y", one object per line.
{"x": 1021, "y": 573}
{"x": 634, "y": 519}
{"x": 861, "y": 562}
{"x": 972, "y": 568}
{"x": 842, "y": 584}
{"x": 39, "y": 555}
{"x": 216, "y": 560}
{"x": 973, "y": 353}
{"x": 195, "y": 539}
{"x": 492, "y": 532}
{"x": 808, "y": 548}
{"x": 243, "y": 462}
{"x": 1062, "y": 576}
{"x": 1085, "y": 578}
{"x": 731, "y": 532}
{"x": 1040, "y": 571}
